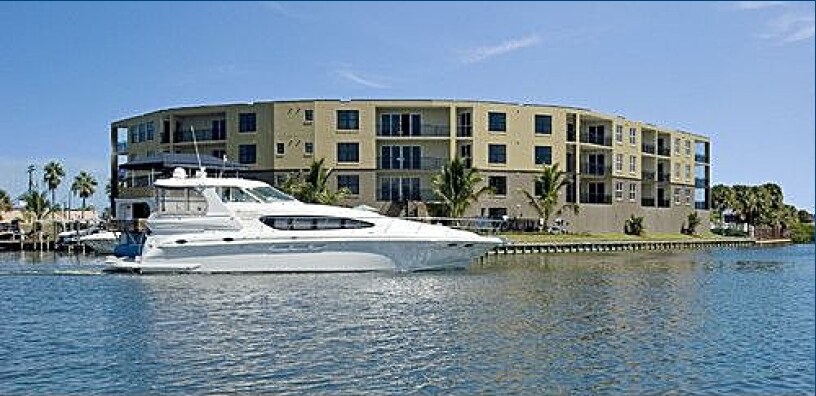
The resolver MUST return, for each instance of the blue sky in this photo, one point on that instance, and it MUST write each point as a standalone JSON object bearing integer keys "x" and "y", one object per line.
{"x": 739, "y": 72}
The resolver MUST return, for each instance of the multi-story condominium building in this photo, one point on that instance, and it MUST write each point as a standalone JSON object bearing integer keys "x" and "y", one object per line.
{"x": 386, "y": 153}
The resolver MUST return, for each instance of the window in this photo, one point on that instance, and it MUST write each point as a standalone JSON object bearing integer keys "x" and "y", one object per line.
{"x": 619, "y": 133}
{"x": 400, "y": 157}
{"x": 543, "y": 155}
{"x": 405, "y": 124}
{"x": 348, "y": 119}
{"x": 280, "y": 148}
{"x": 496, "y": 153}
{"x": 633, "y": 136}
{"x": 632, "y": 164}
{"x": 220, "y": 154}
{"x": 246, "y": 153}
{"x": 632, "y": 191}
{"x": 543, "y": 124}
{"x": 496, "y": 122}
{"x": 151, "y": 130}
{"x": 688, "y": 172}
{"x": 142, "y": 133}
{"x": 219, "y": 130}
{"x": 305, "y": 223}
{"x": 688, "y": 196}
{"x": 308, "y": 115}
{"x": 397, "y": 189}
{"x": 498, "y": 184}
{"x": 677, "y": 171}
{"x": 308, "y": 148}
{"x": 496, "y": 213}
{"x": 688, "y": 147}
{"x": 246, "y": 122}
{"x": 619, "y": 162}
{"x": 348, "y": 152}
{"x": 351, "y": 182}
{"x": 677, "y": 146}
{"x": 465, "y": 127}
{"x": 677, "y": 196}
{"x": 618, "y": 191}
{"x": 134, "y": 133}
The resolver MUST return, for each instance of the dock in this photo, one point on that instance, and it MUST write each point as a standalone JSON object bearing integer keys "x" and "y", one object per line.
{"x": 620, "y": 246}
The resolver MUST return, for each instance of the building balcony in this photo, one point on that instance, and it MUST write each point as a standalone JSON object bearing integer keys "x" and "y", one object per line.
{"x": 422, "y": 163}
{"x": 588, "y": 198}
{"x": 664, "y": 151}
{"x": 701, "y": 205}
{"x": 700, "y": 182}
{"x": 663, "y": 177}
{"x": 165, "y": 137}
{"x": 201, "y": 135}
{"x": 121, "y": 148}
{"x": 701, "y": 158}
{"x": 648, "y": 148}
{"x": 596, "y": 169}
{"x": 647, "y": 176}
{"x": 649, "y": 202}
{"x": 597, "y": 139}
{"x": 663, "y": 203}
{"x": 424, "y": 130}
{"x": 570, "y": 133}
{"x": 424, "y": 195}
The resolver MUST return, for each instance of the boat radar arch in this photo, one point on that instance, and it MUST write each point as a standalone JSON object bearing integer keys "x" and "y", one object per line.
{"x": 179, "y": 173}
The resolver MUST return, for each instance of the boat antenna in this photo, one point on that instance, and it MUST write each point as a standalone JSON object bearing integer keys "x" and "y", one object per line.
{"x": 195, "y": 145}
{"x": 223, "y": 165}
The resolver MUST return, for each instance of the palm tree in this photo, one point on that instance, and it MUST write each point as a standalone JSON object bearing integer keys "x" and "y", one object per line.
{"x": 36, "y": 204}
{"x": 314, "y": 188}
{"x": 722, "y": 198}
{"x": 5, "y": 202}
{"x": 551, "y": 181}
{"x": 84, "y": 185}
{"x": 52, "y": 176}
{"x": 457, "y": 187}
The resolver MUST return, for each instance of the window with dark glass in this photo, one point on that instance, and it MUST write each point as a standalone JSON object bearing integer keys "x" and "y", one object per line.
{"x": 351, "y": 182}
{"x": 308, "y": 115}
{"x": 218, "y": 132}
{"x": 142, "y": 133}
{"x": 543, "y": 155}
{"x": 220, "y": 154}
{"x": 308, "y": 147}
{"x": 280, "y": 148}
{"x": 496, "y": 122}
{"x": 246, "y": 153}
{"x": 543, "y": 124}
{"x": 246, "y": 122}
{"x": 151, "y": 130}
{"x": 498, "y": 184}
{"x": 348, "y": 152}
{"x": 496, "y": 153}
{"x": 306, "y": 223}
{"x": 348, "y": 119}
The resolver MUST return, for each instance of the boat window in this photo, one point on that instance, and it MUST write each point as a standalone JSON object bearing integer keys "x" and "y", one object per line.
{"x": 269, "y": 194}
{"x": 181, "y": 201}
{"x": 300, "y": 223}
{"x": 235, "y": 194}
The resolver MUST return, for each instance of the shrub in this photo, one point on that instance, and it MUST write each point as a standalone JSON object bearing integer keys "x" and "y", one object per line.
{"x": 802, "y": 233}
{"x": 633, "y": 226}
{"x": 693, "y": 222}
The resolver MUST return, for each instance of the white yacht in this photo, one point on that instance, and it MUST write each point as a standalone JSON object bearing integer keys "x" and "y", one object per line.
{"x": 103, "y": 242}
{"x": 223, "y": 225}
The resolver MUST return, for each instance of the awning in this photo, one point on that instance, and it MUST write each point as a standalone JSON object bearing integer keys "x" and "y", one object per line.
{"x": 169, "y": 161}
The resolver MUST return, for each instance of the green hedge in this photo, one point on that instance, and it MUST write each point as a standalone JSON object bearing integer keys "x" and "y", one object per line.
{"x": 802, "y": 233}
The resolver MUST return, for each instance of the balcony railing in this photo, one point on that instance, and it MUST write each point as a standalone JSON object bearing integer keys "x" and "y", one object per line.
{"x": 701, "y": 205}
{"x": 425, "y": 195}
{"x": 701, "y": 158}
{"x": 664, "y": 151}
{"x": 650, "y": 202}
{"x": 663, "y": 203}
{"x": 424, "y": 130}
{"x": 595, "y": 169}
{"x": 424, "y": 163}
{"x": 570, "y": 134}
{"x": 599, "y": 139}
{"x": 663, "y": 177}
{"x": 589, "y": 198}
{"x": 200, "y": 135}
{"x": 648, "y": 148}
{"x": 700, "y": 182}
{"x": 647, "y": 176}
{"x": 464, "y": 131}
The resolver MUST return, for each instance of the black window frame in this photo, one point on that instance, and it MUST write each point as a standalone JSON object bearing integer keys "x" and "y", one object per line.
{"x": 308, "y": 115}
{"x": 244, "y": 153}
{"x": 351, "y": 182}
{"x": 280, "y": 148}
{"x": 308, "y": 148}
{"x": 497, "y": 157}
{"x": 542, "y": 128}
{"x": 498, "y": 184}
{"x": 496, "y": 121}
{"x": 247, "y": 122}
{"x": 342, "y": 152}
{"x": 547, "y": 156}
{"x": 346, "y": 122}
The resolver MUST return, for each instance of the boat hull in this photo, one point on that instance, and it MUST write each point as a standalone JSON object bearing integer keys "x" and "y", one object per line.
{"x": 306, "y": 256}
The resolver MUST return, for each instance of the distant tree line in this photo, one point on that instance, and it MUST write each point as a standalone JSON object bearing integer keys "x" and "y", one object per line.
{"x": 762, "y": 205}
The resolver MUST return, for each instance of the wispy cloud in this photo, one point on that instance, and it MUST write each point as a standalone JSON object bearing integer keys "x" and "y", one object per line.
{"x": 756, "y": 5}
{"x": 479, "y": 54}
{"x": 790, "y": 28}
{"x": 361, "y": 80}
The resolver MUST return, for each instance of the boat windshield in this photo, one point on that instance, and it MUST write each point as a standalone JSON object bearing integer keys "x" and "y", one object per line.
{"x": 269, "y": 194}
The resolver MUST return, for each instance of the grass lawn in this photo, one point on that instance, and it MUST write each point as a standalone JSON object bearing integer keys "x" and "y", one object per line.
{"x": 530, "y": 237}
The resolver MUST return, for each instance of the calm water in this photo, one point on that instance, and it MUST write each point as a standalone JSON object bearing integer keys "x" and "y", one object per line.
{"x": 734, "y": 321}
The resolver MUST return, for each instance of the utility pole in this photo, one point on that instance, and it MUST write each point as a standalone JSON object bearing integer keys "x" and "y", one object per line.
{"x": 31, "y": 170}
